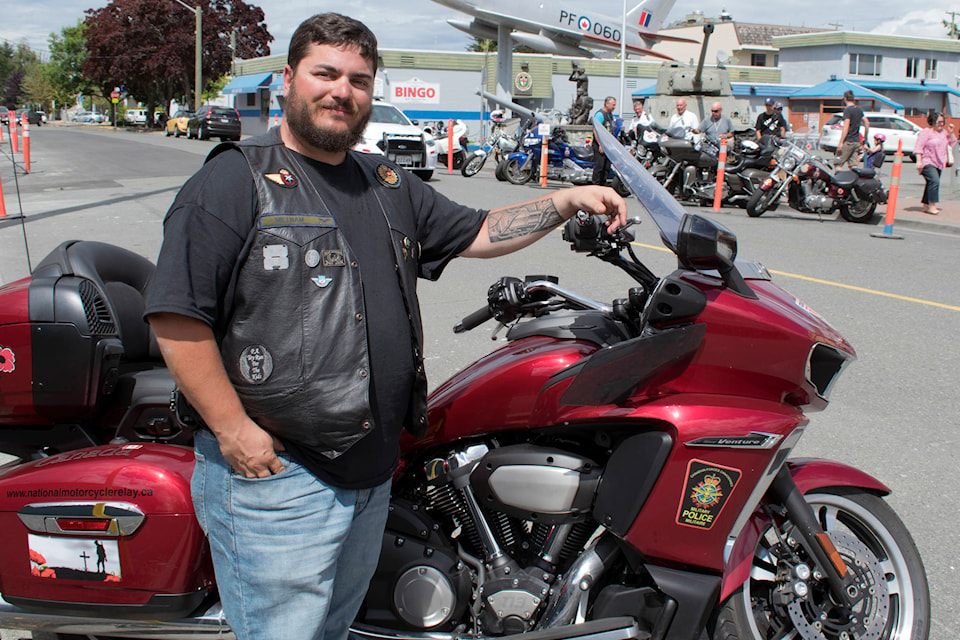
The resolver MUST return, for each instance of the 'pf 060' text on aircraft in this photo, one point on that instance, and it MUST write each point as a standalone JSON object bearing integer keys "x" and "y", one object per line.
{"x": 566, "y": 28}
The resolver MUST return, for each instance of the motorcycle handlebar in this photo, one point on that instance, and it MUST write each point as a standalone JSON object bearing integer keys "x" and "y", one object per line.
{"x": 473, "y": 320}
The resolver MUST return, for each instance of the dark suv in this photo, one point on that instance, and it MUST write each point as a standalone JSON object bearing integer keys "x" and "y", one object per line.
{"x": 214, "y": 121}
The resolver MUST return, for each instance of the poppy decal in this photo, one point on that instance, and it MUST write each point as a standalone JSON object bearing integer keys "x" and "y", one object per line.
{"x": 8, "y": 360}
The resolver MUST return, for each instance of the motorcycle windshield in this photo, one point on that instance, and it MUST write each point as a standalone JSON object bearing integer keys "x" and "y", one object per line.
{"x": 662, "y": 207}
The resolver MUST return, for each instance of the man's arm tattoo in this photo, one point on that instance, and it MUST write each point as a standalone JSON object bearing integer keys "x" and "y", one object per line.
{"x": 523, "y": 219}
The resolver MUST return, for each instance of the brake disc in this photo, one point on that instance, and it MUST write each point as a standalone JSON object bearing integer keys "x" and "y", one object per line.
{"x": 819, "y": 619}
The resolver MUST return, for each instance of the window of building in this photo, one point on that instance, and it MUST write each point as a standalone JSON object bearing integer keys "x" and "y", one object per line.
{"x": 251, "y": 99}
{"x": 930, "y": 69}
{"x": 913, "y": 66}
{"x": 865, "y": 64}
{"x": 758, "y": 59}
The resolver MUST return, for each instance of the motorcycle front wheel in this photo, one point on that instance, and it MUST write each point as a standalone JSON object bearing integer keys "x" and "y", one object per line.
{"x": 875, "y": 545}
{"x": 619, "y": 187}
{"x": 761, "y": 201}
{"x": 472, "y": 165}
{"x": 516, "y": 173}
{"x": 858, "y": 210}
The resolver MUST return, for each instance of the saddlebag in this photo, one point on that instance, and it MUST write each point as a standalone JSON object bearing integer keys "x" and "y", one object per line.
{"x": 107, "y": 531}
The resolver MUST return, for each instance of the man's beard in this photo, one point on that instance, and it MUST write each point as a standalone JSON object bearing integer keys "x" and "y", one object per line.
{"x": 298, "y": 117}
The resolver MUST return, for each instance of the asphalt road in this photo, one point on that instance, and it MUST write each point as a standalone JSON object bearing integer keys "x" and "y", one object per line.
{"x": 893, "y": 414}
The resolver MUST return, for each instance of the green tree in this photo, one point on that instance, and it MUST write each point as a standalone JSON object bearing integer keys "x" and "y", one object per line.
{"x": 65, "y": 69}
{"x": 14, "y": 62}
{"x": 148, "y": 45}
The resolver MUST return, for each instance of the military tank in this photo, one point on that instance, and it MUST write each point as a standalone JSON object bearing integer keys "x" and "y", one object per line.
{"x": 701, "y": 86}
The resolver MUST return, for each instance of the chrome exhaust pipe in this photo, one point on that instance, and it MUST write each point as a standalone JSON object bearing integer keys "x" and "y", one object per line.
{"x": 209, "y": 624}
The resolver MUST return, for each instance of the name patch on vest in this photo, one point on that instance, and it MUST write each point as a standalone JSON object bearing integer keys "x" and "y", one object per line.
{"x": 273, "y": 220}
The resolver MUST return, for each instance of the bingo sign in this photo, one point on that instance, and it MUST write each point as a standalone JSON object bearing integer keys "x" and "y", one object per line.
{"x": 413, "y": 91}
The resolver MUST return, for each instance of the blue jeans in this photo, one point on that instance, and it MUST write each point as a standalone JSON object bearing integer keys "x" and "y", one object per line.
{"x": 931, "y": 189}
{"x": 293, "y": 556}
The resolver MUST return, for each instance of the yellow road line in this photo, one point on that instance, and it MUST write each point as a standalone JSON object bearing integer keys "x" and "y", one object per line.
{"x": 837, "y": 284}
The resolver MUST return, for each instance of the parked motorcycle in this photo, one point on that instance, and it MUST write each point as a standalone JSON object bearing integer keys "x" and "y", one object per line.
{"x": 616, "y": 470}
{"x": 565, "y": 162}
{"x": 498, "y": 146}
{"x": 440, "y": 133}
{"x": 812, "y": 186}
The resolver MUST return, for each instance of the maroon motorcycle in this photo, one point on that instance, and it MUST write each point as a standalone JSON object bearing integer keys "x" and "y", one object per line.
{"x": 616, "y": 470}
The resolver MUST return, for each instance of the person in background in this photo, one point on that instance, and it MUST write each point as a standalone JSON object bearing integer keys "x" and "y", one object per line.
{"x": 640, "y": 118}
{"x": 770, "y": 122}
{"x": 683, "y": 118}
{"x": 931, "y": 153}
{"x": 602, "y": 118}
{"x": 778, "y": 108}
{"x": 874, "y": 156}
{"x": 716, "y": 126}
{"x": 284, "y": 304}
{"x": 848, "y": 149}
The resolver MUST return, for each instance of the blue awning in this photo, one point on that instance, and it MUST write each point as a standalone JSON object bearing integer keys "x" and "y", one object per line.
{"x": 836, "y": 89}
{"x": 277, "y": 84}
{"x": 246, "y": 84}
{"x": 908, "y": 86}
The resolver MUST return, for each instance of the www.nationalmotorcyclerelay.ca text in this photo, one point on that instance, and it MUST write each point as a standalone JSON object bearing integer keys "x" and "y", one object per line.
{"x": 102, "y": 492}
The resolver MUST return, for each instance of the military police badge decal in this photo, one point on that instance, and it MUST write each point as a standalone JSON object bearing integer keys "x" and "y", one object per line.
{"x": 706, "y": 490}
{"x": 388, "y": 176}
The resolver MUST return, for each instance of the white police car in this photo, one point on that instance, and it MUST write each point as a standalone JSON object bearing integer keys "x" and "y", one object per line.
{"x": 390, "y": 133}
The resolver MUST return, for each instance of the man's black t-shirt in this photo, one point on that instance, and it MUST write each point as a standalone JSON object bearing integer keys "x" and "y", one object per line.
{"x": 212, "y": 218}
{"x": 770, "y": 124}
{"x": 854, "y": 114}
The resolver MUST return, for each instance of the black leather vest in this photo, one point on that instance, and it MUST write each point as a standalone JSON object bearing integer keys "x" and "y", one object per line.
{"x": 295, "y": 347}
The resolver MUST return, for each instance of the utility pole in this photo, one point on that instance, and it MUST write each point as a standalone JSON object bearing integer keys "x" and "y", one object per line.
{"x": 952, "y": 30}
{"x": 198, "y": 67}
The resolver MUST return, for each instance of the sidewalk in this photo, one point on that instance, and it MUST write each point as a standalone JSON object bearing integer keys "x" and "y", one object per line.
{"x": 909, "y": 212}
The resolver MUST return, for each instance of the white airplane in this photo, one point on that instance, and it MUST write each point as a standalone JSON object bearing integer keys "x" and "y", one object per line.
{"x": 564, "y": 28}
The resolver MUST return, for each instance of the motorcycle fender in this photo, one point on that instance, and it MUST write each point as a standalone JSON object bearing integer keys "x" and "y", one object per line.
{"x": 810, "y": 474}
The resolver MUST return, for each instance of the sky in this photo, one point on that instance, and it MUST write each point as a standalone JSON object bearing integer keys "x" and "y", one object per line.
{"x": 421, "y": 24}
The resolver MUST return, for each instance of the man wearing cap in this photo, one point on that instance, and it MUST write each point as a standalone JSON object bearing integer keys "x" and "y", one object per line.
{"x": 770, "y": 122}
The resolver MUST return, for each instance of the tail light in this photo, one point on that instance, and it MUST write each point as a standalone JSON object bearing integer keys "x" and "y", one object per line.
{"x": 80, "y": 524}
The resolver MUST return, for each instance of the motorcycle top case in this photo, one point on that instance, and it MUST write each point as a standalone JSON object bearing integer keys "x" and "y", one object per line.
{"x": 104, "y": 531}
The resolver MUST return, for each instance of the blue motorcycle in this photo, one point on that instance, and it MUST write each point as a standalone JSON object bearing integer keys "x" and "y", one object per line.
{"x": 565, "y": 162}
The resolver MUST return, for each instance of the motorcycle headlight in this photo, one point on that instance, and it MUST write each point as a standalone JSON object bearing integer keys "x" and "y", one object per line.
{"x": 789, "y": 163}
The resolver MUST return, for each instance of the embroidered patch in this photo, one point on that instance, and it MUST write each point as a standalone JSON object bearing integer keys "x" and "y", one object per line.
{"x": 256, "y": 364}
{"x": 8, "y": 360}
{"x": 388, "y": 176}
{"x": 322, "y": 281}
{"x": 271, "y": 220}
{"x": 283, "y": 178}
{"x": 706, "y": 490}
{"x": 275, "y": 257}
{"x": 334, "y": 258}
{"x": 311, "y": 258}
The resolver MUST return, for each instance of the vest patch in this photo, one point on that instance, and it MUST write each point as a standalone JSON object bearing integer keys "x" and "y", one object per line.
{"x": 334, "y": 258}
{"x": 276, "y": 257}
{"x": 388, "y": 176}
{"x": 256, "y": 364}
{"x": 273, "y": 220}
{"x": 311, "y": 258}
{"x": 322, "y": 281}
{"x": 283, "y": 178}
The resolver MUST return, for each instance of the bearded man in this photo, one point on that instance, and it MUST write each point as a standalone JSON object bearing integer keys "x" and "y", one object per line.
{"x": 285, "y": 307}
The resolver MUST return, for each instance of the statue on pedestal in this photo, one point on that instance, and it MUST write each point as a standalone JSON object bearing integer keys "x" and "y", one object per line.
{"x": 582, "y": 104}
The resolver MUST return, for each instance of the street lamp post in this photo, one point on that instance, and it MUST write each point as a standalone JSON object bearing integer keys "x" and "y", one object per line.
{"x": 198, "y": 76}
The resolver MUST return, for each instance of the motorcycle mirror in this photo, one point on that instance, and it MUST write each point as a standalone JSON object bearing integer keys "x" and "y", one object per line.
{"x": 705, "y": 245}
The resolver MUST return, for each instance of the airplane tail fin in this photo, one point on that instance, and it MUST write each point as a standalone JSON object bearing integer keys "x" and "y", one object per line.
{"x": 648, "y": 16}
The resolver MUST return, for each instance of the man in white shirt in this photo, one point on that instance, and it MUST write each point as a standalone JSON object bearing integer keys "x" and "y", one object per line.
{"x": 683, "y": 118}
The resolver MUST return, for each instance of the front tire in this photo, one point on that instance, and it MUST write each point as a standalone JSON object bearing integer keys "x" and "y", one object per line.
{"x": 619, "y": 187}
{"x": 202, "y": 133}
{"x": 473, "y": 165}
{"x": 858, "y": 210}
{"x": 761, "y": 201}
{"x": 757, "y": 612}
{"x": 515, "y": 173}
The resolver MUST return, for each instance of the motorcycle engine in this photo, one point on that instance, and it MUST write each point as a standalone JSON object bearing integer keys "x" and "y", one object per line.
{"x": 491, "y": 526}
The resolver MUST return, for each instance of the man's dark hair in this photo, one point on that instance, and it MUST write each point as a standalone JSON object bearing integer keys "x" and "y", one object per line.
{"x": 332, "y": 29}
{"x": 848, "y": 95}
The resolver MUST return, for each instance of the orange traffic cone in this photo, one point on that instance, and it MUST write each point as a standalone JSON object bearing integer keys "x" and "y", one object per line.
{"x": 26, "y": 143}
